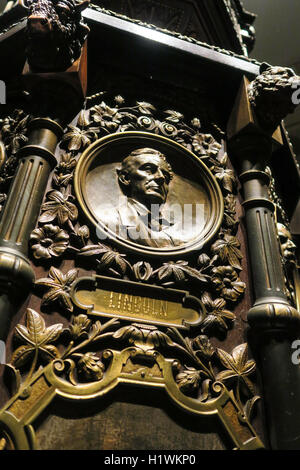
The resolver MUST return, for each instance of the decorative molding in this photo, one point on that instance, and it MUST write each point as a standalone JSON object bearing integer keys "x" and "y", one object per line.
{"x": 152, "y": 27}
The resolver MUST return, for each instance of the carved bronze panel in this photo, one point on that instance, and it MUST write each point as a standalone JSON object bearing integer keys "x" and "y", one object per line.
{"x": 136, "y": 319}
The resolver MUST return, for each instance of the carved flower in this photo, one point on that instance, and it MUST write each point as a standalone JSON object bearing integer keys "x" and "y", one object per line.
{"x": 205, "y": 144}
{"x": 189, "y": 380}
{"x": 79, "y": 325}
{"x": 106, "y": 116}
{"x": 203, "y": 346}
{"x": 228, "y": 250}
{"x": 78, "y": 138}
{"x": 59, "y": 286}
{"x": 142, "y": 271}
{"x": 49, "y": 241}
{"x": 90, "y": 366}
{"x": 227, "y": 282}
{"x": 218, "y": 317}
{"x": 60, "y": 207}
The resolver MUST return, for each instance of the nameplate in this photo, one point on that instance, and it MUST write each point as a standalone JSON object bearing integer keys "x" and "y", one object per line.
{"x": 108, "y": 297}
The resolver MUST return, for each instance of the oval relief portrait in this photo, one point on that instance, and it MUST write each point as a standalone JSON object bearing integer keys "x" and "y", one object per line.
{"x": 148, "y": 194}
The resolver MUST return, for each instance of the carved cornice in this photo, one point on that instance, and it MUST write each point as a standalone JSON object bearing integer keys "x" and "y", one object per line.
{"x": 20, "y": 18}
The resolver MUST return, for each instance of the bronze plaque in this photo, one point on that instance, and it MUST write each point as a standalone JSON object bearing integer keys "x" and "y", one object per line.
{"x": 103, "y": 296}
{"x": 148, "y": 194}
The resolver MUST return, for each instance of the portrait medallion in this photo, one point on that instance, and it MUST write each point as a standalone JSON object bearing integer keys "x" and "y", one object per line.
{"x": 148, "y": 194}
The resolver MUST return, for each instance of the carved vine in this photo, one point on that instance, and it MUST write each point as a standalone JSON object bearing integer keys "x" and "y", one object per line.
{"x": 200, "y": 369}
{"x": 72, "y": 349}
{"x": 216, "y": 271}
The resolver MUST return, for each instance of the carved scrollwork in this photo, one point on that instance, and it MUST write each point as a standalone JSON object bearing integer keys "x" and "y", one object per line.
{"x": 204, "y": 365}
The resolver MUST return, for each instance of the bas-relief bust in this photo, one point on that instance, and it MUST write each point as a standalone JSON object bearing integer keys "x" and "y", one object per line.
{"x": 144, "y": 179}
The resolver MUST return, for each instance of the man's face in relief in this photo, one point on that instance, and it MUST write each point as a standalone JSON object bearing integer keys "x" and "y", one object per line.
{"x": 148, "y": 177}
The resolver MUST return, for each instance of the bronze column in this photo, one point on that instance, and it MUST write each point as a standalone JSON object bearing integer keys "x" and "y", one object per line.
{"x": 274, "y": 323}
{"x": 20, "y": 213}
{"x": 56, "y": 97}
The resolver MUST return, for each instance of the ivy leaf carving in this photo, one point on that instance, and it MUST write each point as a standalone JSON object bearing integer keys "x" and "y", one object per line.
{"x": 237, "y": 365}
{"x": 58, "y": 206}
{"x": 78, "y": 138}
{"x": 228, "y": 250}
{"x": 178, "y": 272}
{"x": 226, "y": 178}
{"x": 218, "y": 317}
{"x": 37, "y": 338}
{"x": 59, "y": 286}
{"x": 113, "y": 262}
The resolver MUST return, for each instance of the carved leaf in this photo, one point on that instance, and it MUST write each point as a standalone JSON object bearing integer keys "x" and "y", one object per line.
{"x": 114, "y": 262}
{"x": 59, "y": 285}
{"x": 226, "y": 178}
{"x": 93, "y": 250}
{"x": 174, "y": 116}
{"x": 145, "y": 108}
{"x": 196, "y": 275}
{"x": 128, "y": 332}
{"x": 21, "y": 355}
{"x": 228, "y": 250}
{"x": 236, "y": 364}
{"x": 51, "y": 351}
{"x": 78, "y": 138}
{"x": 58, "y": 207}
{"x": 35, "y": 332}
{"x": 249, "y": 407}
{"x": 37, "y": 336}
